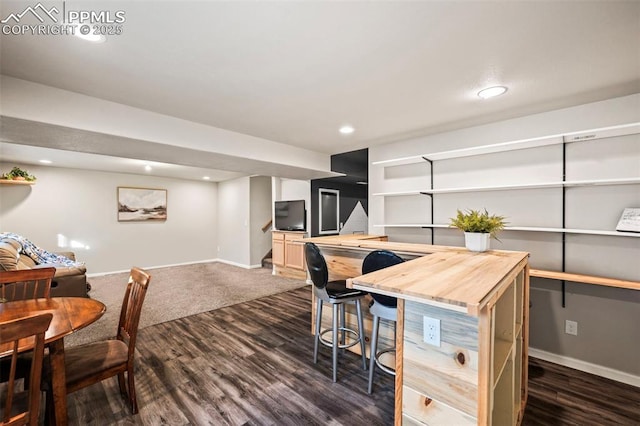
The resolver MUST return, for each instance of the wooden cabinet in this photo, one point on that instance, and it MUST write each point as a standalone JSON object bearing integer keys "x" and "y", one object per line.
{"x": 277, "y": 249}
{"x": 294, "y": 255}
{"x": 288, "y": 254}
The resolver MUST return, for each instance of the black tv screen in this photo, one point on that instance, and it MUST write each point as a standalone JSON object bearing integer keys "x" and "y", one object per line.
{"x": 290, "y": 215}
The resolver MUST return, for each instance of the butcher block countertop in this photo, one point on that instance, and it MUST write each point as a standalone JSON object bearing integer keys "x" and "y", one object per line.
{"x": 454, "y": 276}
{"x": 373, "y": 242}
{"x": 457, "y": 277}
{"x": 368, "y": 242}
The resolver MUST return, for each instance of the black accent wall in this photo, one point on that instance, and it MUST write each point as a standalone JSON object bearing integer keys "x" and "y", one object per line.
{"x": 354, "y": 165}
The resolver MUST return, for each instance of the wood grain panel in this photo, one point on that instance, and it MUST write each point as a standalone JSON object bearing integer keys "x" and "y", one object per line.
{"x": 343, "y": 263}
{"x": 433, "y": 412}
{"x": 399, "y": 382}
{"x": 409, "y": 421}
{"x": 289, "y": 272}
{"x": 294, "y": 255}
{"x": 277, "y": 252}
{"x": 449, "y": 373}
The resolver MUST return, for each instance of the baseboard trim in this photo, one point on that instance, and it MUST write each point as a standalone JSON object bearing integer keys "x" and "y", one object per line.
{"x": 587, "y": 367}
{"x": 100, "y": 274}
{"x": 229, "y": 262}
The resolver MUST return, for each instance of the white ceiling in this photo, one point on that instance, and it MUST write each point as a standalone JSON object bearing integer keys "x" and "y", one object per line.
{"x": 293, "y": 72}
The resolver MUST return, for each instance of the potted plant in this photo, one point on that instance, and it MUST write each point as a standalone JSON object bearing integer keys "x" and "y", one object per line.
{"x": 18, "y": 174}
{"x": 479, "y": 227}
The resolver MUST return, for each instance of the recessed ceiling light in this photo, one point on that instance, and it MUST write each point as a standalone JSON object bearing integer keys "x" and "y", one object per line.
{"x": 347, "y": 129}
{"x": 147, "y": 168}
{"x": 491, "y": 92}
{"x": 206, "y": 177}
{"x": 46, "y": 161}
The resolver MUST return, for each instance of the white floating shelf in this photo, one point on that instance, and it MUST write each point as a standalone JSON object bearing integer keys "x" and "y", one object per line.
{"x": 399, "y": 193}
{"x": 411, "y": 225}
{"x": 579, "y": 136}
{"x": 541, "y": 185}
{"x": 622, "y": 181}
{"x": 521, "y": 228}
{"x": 572, "y": 231}
{"x": 598, "y": 232}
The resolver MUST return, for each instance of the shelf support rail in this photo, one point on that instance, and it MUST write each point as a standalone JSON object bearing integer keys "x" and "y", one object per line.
{"x": 564, "y": 217}
{"x": 431, "y": 196}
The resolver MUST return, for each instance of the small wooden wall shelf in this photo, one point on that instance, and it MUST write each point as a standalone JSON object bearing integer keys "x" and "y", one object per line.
{"x": 15, "y": 182}
{"x": 585, "y": 279}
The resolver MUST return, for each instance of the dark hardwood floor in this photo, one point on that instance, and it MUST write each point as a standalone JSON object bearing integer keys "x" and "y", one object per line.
{"x": 251, "y": 364}
{"x": 563, "y": 396}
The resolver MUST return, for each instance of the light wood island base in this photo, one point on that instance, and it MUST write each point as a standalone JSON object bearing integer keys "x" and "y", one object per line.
{"x": 478, "y": 374}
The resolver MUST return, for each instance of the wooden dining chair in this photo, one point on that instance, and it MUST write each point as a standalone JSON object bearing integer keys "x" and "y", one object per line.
{"x": 22, "y": 408}
{"x": 21, "y": 285}
{"x": 26, "y": 284}
{"x": 93, "y": 362}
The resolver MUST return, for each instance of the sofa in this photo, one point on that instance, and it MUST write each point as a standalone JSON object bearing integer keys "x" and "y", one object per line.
{"x": 69, "y": 281}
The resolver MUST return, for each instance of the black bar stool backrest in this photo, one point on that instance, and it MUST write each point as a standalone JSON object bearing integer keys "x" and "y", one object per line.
{"x": 380, "y": 259}
{"x": 316, "y": 265}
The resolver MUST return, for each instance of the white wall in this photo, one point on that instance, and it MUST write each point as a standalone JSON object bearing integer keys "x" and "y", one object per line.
{"x": 608, "y": 339}
{"x": 233, "y": 221}
{"x": 260, "y": 199}
{"x": 293, "y": 189}
{"x": 82, "y": 206}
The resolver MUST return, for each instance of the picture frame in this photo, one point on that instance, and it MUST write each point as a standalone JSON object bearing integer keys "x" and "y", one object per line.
{"x": 141, "y": 204}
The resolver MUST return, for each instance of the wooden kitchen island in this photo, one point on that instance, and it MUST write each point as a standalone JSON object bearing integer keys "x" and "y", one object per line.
{"x": 478, "y": 374}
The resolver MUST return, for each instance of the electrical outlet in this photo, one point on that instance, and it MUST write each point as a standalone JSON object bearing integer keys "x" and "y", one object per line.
{"x": 571, "y": 327}
{"x": 432, "y": 331}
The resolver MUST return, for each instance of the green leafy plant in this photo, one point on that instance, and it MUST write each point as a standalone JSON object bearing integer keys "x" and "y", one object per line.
{"x": 18, "y": 174}
{"x": 477, "y": 221}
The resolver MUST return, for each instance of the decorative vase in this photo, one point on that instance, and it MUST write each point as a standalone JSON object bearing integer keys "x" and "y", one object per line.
{"x": 477, "y": 241}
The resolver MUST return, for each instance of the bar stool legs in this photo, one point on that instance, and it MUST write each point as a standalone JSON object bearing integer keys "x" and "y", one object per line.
{"x": 339, "y": 332}
{"x": 374, "y": 357}
{"x": 384, "y": 307}
{"x": 317, "y": 333}
{"x": 374, "y": 348}
{"x": 338, "y": 295}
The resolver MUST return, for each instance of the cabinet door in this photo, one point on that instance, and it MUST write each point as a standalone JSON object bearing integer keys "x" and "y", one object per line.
{"x": 277, "y": 255}
{"x": 294, "y": 255}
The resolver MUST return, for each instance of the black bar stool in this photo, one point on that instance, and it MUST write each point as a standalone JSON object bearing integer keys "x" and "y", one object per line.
{"x": 382, "y": 306}
{"x": 337, "y": 294}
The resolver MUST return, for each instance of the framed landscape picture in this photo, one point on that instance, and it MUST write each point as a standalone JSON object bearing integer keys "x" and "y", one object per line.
{"x": 141, "y": 204}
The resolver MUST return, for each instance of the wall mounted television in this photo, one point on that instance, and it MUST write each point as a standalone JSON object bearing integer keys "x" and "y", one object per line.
{"x": 290, "y": 215}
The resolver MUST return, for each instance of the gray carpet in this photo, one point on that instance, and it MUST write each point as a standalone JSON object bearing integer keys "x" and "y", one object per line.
{"x": 180, "y": 291}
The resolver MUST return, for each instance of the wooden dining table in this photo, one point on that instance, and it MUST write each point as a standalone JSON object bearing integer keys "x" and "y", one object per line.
{"x": 70, "y": 314}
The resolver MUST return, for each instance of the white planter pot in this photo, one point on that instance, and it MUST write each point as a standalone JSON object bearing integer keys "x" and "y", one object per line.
{"x": 477, "y": 241}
